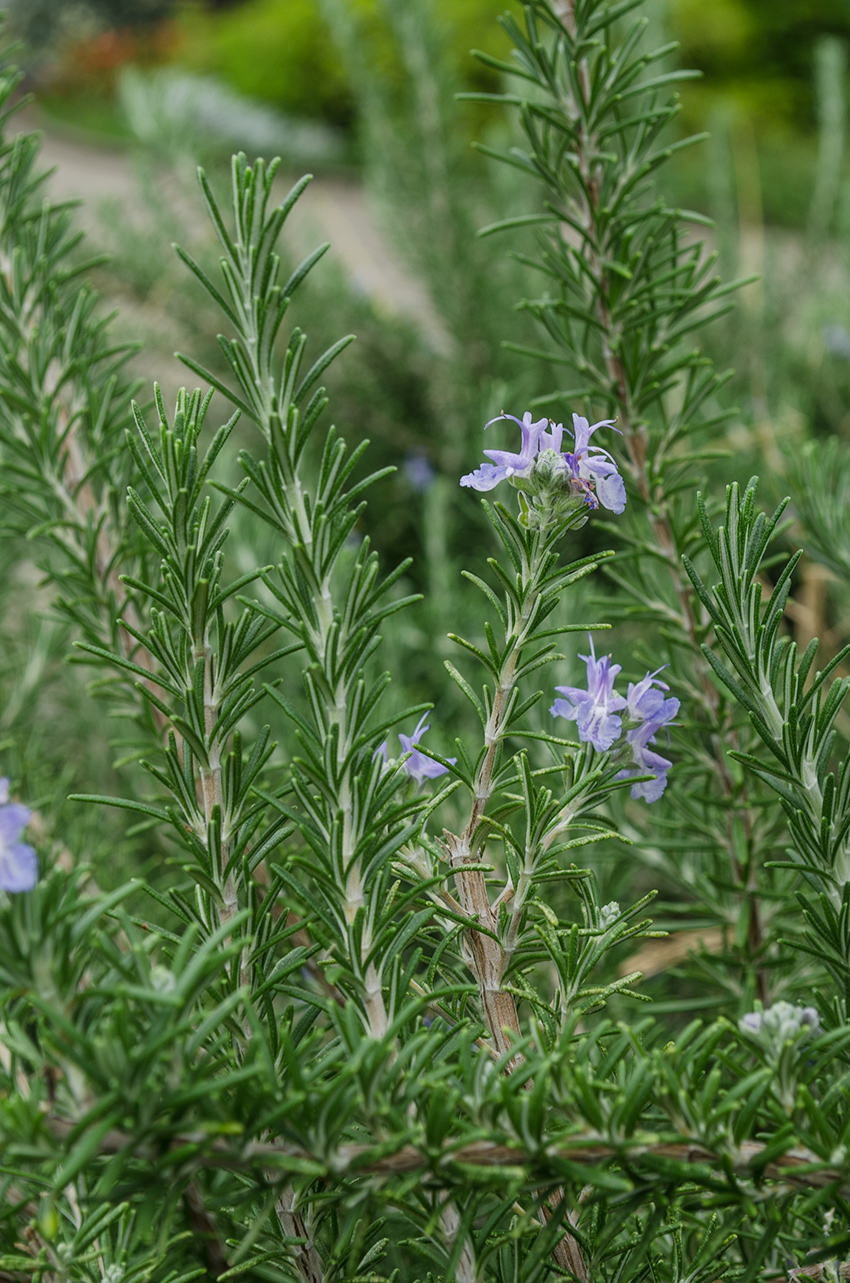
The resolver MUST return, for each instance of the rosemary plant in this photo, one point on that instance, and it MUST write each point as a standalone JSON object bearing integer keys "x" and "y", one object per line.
{"x": 627, "y": 283}
{"x": 363, "y": 1018}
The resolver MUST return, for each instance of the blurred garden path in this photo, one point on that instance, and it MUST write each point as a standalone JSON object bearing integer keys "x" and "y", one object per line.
{"x": 332, "y": 209}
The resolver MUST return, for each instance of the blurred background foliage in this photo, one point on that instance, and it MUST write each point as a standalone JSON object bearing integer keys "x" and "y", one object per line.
{"x": 333, "y": 86}
{"x": 757, "y": 54}
{"x": 758, "y": 57}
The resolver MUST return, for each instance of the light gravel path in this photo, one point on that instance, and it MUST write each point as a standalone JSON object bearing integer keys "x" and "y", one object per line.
{"x": 331, "y": 209}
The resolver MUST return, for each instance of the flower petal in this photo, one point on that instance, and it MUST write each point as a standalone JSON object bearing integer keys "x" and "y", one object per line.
{"x": 592, "y": 467}
{"x": 506, "y": 459}
{"x": 598, "y": 726}
{"x": 612, "y": 492}
{"x": 485, "y": 477}
{"x": 419, "y": 766}
{"x": 18, "y": 867}
{"x": 583, "y": 431}
{"x": 552, "y": 439}
{"x": 650, "y": 790}
{"x": 426, "y": 768}
{"x": 14, "y": 818}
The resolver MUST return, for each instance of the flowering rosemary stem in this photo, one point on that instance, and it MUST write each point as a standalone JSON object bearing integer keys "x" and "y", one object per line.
{"x": 485, "y": 956}
{"x": 596, "y": 254}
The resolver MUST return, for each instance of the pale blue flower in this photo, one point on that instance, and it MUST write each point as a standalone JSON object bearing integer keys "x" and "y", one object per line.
{"x": 419, "y": 472}
{"x": 595, "y": 709}
{"x": 18, "y": 861}
{"x": 587, "y": 472}
{"x": 417, "y": 766}
{"x": 638, "y": 739}
{"x": 646, "y": 701}
{"x": 505, "y": 464}
{"x": 647, "y": 706}
{"x": 592, "y": 466}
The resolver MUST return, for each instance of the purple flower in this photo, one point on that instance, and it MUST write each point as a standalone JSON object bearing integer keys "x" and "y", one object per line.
{"x": 504, "y": 463}
{"x": 595, "y": 709}
{"x": 418, "y": 766}
{"x": 551, "y": 440}
{"x": 646, "y": 702}
{"x": 419, "y": 472}
{"x": 638, "y": 740}
{"x": 588, "y": 472}
{"x": 592, "y": 466}
{"x": 18, "y": 862}
{"x": 647, "y": 706}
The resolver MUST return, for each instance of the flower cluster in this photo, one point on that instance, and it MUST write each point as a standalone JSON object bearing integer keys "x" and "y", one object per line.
{"x": 600, "y": 714}
{"x": 417, "y": 766}
{"x": 780, "y": 1024}
{"x": 586, "y": 473}
{"x": 782, "y": 1033}
{"x": 18, "y": 862}
{"x": 608, "y": 915}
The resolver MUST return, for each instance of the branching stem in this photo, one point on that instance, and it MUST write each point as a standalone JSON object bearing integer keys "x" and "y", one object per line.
{"x": 596, "y": 252}
{"x": 485, "y": 956}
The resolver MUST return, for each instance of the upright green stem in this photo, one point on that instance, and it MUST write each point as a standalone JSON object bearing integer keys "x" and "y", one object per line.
{"x": 322, "y": 628}
{"x": 328, "y": 638}
{"x": 485, "y": 956}
{"x": 212, "y": 795}
{"x": 597, "y": 252}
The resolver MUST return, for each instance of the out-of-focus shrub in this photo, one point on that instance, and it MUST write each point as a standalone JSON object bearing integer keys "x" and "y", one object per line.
{"x": 276, "y": 50}
{"x": 97, "y": 59}
{"x": 758, "y": 53}
{"x": 73, "y": 52}
{"x": 170, "y": 109}
{"x": 78, "y": 74}
{"x": 281, "y": 51}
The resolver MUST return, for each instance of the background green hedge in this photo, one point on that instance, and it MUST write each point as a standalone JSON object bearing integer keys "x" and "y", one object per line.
{"x": 757, "y": 53}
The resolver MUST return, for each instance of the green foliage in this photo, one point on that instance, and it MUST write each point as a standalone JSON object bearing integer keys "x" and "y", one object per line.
{"x": 623, "y": 294}
{"x": 44, "y": 23}
{"x": 794, "y": 716}
{"x": 280, "y": 50}
{"x": 758, "y": 54}
{"x": 357, "y": 1024}
{"x": 271, "y": 49}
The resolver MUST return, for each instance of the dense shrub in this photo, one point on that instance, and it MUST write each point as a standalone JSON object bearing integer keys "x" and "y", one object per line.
{"x": 282, "y": 50}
